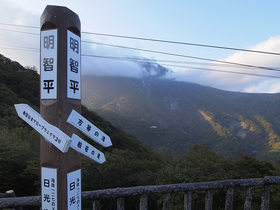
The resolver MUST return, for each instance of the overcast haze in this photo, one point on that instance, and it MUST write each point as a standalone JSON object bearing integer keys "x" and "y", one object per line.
{"x": 250, "y": 25}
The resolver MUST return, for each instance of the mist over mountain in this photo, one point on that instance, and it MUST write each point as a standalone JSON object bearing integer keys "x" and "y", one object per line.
{"x": 170, "y": 116}
{"x": 152, "y": 68}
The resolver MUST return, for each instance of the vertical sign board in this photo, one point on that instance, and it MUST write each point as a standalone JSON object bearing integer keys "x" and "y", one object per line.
{"x": 73, "y": 66}
{"x": 74, "y": 190}
{"x": 49, "y": 64}
{"x": 49, "y": 188}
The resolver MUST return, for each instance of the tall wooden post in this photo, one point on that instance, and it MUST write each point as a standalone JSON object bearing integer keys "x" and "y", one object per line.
{"x": 60, "y": 91}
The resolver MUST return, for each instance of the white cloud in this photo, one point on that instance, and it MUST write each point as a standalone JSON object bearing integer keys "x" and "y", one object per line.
{"x": 13, "y": 43}
{"x": 11, "y": 13}
{"x": 9, "y": 40}
{"x": 241, "y": 82}
{"x": 106, "y": 66}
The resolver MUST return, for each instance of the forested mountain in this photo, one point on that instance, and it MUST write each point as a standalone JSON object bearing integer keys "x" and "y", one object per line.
{"x": 170, "y": 116}
{"x": 128, "y": 161}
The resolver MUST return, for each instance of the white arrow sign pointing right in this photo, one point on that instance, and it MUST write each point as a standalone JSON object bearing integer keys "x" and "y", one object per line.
{"x": 86, "y": 149}
{"x": 89, "y": 129}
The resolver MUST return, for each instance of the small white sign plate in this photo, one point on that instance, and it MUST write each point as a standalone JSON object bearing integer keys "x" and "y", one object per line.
{"x": 49, "y": 188}
{"x": 48, "y": 131}
{"x": 74, "y": 189}
{"x": 86, "y": 149}
{"x": 73, "y": 66}
{"x": 89, "y": 129}
{"x": 48, "y": 64}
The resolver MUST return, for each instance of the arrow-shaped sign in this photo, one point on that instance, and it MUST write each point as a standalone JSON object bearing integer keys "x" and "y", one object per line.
{"x": 48, "y": 131}
{"x": 86, "y": 149}
{"x": 89, "y": 129}
{"x": 55, "y": 136}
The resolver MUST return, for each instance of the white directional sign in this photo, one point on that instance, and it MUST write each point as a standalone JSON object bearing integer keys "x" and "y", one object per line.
{"x": 74, "y": 190}
{"x": 48, "y": 131}
{"x": 89, "y": 129}
{"x": 86, "y": 149}
{"x": 49, "y": 64}
{"x": 49, "y": 188}
{"x": 73, "y": 66}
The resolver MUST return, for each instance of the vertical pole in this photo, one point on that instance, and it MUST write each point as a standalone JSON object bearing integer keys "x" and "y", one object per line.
{"x": 120, "y": 203}
{"x": 55, "y": 104}
{"x": 143, "y": 205}
{"x": 96, "y": 205}
{"x": 248, "y": 200}
{"x": 265, "y": 197}
{"x": 209, "y": 200}
{"x": 229, "y": 199}
{"x": 188, "y": 200}
{"x": 166, "y": 201}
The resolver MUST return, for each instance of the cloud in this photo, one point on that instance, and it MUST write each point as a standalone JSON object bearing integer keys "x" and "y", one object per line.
{"x": 12, "y": 43}
{"x": 10, "y": 13}
{"x": 218, "y": 75}
{"x": 239, "y": 81}
{"x": 20, "y": 46}
{"x": 110, "y": 65}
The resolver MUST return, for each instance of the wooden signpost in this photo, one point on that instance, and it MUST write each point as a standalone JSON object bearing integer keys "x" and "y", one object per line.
{"x": 60, "y": 92}
{"x": 59, "y": 116}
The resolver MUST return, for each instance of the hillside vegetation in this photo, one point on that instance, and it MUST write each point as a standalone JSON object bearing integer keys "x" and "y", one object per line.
{"x": 171, "y": 116}
{"x": 129, "y": 162}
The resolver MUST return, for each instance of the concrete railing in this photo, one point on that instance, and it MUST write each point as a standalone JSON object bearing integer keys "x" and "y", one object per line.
{"x": 188, "y": 188}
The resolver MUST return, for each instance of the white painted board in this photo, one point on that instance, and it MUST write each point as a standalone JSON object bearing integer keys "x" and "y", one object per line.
{"x": 49, "y": 188}
{"x": 48, "y": 64}
{"x": 48, "y": 131}
{"x": 86, "y": 149}
{"x": 74, "y": 189}
{"x": 89, "y": 129}
{"x": 73, "y": 66}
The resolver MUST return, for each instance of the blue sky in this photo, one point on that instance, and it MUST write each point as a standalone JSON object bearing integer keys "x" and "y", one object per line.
{"x": 238, "y": 24}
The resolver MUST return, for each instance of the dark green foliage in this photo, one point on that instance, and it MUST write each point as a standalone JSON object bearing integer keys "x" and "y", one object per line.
{"x": 19, "y": 161}
{"x": 19, "y": 145}
{"x": 202, "y": 165}
{"x": 198, "y": 165}
{"x": 249, "y": 167}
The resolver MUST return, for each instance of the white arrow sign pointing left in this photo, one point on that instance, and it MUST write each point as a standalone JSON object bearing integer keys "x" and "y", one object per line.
{"x": 48, "y": 131}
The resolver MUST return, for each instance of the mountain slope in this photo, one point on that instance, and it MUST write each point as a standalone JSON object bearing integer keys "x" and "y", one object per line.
{"x": 129, "y": 162}
{"x": 170, "y": 116}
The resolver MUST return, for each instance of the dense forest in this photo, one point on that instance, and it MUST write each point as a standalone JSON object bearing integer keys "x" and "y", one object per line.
{"x": 128, "y": 162}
